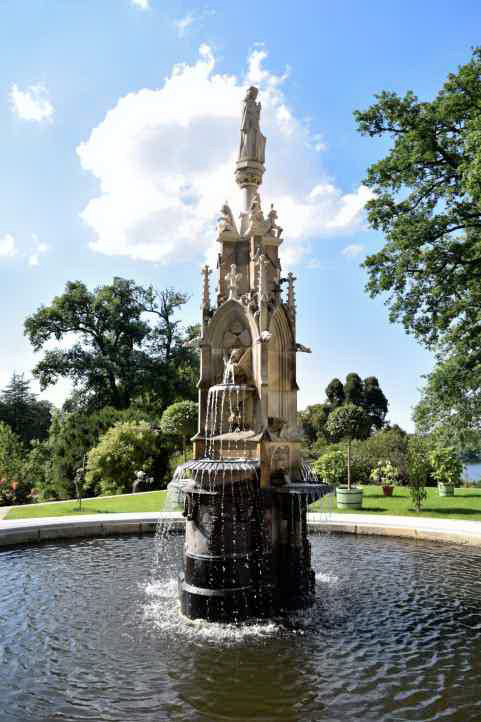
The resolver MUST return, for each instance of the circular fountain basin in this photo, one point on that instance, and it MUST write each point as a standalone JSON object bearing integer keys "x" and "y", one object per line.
{"x": 91, "y": 631}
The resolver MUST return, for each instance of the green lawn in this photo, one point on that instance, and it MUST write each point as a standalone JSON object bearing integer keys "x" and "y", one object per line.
{"x": 466, "y": 504}
{"x": 153, "y": 501}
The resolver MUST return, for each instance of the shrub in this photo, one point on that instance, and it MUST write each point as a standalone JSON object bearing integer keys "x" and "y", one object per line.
{"x": 332, "y": 467}
{"x": 384, "y": 473}
{"x": 447, "y": 467}
{"x": 127, "y": 447}
{"x": 35, "y": 471}
{"x": 419, "y": 469}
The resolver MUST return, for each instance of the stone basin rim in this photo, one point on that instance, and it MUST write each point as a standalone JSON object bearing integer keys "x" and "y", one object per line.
{"x": 19, "y": 532}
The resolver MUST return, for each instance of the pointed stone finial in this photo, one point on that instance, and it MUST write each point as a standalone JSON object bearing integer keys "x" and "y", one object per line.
{"x": 233, "y": 278}
{"x": 263, "y": 290}
{"x": 291, "y": 295}
{"x": 206, "y": 271}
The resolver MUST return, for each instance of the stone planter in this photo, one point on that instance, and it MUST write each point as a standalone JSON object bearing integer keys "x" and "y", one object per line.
{"x": 348, "y": 498}
{"x": 445, "y": 489}
{"x": 387, "y": 489}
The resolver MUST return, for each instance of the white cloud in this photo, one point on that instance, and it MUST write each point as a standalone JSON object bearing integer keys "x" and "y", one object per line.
{"x": 183, "y": 24}
{"x": 38, "y": 250}
{"x": 165, "y": 159}
{"x": 141, "y": 4}
{"x": 353, "y": 250}
{"x": 32, "y": 103}
{"x": 8, "y": 247}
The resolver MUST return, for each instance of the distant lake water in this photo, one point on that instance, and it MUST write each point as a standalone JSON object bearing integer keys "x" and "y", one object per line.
{"x": 472, "y": 472}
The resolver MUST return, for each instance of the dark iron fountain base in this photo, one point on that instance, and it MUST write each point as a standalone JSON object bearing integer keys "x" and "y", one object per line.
{"x": 247, "y": 555}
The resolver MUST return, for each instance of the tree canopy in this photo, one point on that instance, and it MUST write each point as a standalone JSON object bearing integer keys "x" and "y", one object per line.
{"x": 427, "y": 202}
{"x": 119, "y": 342}
{"x": 366, "y": 394}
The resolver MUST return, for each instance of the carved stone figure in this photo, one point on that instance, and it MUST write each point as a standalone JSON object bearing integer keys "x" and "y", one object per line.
{"x": 225, "y": 222}
{"x": 274, "y": 229}
{"x": 233, "y": 279}
{"x": 257, "y": 224}
{"x": 253, "y": 143}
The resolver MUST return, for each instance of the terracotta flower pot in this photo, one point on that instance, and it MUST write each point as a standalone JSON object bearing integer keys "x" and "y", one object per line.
{"x": 387, "y": 489}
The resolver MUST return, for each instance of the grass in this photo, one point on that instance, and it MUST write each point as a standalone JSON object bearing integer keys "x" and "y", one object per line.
{"x": 465, "y": 504}
{"x": 152, "y": 501}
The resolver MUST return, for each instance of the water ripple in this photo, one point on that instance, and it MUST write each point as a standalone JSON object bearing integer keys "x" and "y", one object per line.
{"x": 91, "y": 631}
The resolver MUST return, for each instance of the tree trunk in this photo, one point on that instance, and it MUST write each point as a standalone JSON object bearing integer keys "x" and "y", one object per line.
{"x": 349, "y": 464}
{"x": 183, "y": 448}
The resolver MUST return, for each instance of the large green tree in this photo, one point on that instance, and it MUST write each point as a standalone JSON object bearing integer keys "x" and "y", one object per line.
{"x": 120, "y": 341}
{"x": 427, "y": 203}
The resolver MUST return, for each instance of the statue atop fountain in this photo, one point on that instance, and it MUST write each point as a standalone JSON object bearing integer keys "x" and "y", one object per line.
{"x": 247, "y": 488}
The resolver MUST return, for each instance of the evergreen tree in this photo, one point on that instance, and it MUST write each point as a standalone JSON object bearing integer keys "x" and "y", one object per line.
{"x": 28, "y": 417}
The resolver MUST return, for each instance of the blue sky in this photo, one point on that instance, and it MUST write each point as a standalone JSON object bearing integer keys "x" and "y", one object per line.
{"x": 119, "y": 121}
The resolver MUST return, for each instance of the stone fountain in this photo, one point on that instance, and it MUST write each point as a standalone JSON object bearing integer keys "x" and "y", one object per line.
{"x": 246, "y": 491}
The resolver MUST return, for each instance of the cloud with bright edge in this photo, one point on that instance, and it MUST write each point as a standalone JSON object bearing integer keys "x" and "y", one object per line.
{"x": 165, "y": 158}
{"x": 31, "y": 104}
{"x": 39, "y": 249}
{"x": 183, "y": 24}
{"x": 8, "y": 247}
{"x": 141, "y": 4}
{"x": 353, "y": 250}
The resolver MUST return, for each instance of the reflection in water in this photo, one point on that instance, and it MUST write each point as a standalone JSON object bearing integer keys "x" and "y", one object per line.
{"x": 88, "y": 632}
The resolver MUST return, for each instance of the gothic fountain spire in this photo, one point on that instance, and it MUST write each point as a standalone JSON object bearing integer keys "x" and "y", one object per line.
{"x": 247, "y": 489}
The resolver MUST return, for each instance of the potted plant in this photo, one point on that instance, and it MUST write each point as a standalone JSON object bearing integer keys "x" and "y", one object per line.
{"x": 447, "y": 469}
{"x": 386, "y": 474}
{"x": 348, "y": 422}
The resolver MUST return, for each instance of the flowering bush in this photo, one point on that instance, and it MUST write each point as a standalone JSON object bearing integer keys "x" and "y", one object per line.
{"x": 385, "y": 473}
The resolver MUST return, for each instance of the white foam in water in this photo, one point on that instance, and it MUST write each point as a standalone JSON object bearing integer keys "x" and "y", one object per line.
{"x": 326, "y": 578}
{"x": 163, "y": 612}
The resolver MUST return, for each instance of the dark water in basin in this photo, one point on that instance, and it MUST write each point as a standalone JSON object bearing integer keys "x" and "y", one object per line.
{"x": 86, "y": 634}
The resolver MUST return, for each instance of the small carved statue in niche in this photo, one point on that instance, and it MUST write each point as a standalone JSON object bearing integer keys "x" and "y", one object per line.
{"x": 274, "y": 229}
{"x": 225, "y": 222}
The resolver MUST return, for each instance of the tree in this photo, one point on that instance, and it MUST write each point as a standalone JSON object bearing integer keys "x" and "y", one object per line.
{"x": 72, "y": 435}
{"x": 313, "y": 419}
{"x": 348, "y": 422}
{"x": 367, "y": 394}
{"x": 28, "y": 417}
{"x": 125, "y": 448}
{"x": 450, "y": 405}
{"x": 427, "y": 203}
{"x": 180, "y": 419}
{"x": 12, "y": 488}
{"x": 374, "y": 402}
{"x": 335, "y": 393}
{"x": 127, "y": 343}
{"x": 419, "y": 469}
